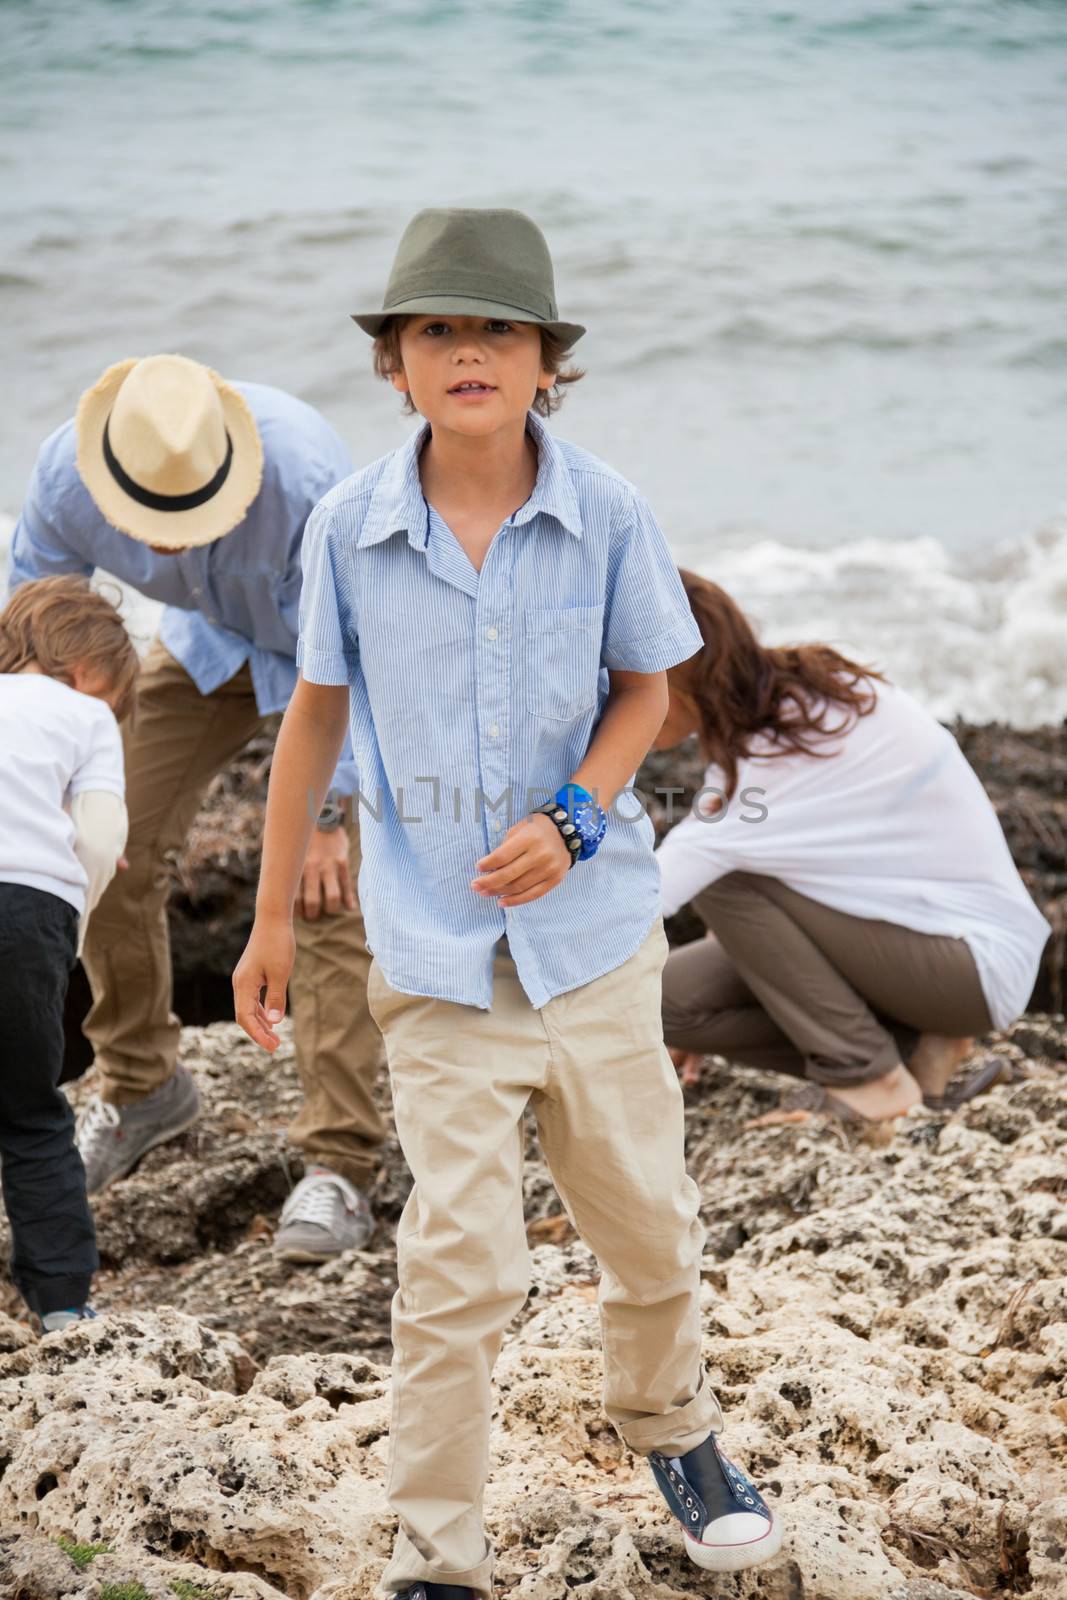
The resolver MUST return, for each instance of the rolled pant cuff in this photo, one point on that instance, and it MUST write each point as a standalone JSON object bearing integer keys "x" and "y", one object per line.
{"x": 678, "y": 1432}
{"x": 830, "y": 1076}
{"x": 407, "y": 1567}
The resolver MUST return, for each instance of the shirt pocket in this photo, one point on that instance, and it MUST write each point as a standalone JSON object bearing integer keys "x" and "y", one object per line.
{"x": 563, "y": 661}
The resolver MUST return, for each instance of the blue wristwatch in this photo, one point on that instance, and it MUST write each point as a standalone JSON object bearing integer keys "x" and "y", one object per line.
{"x": 579, "y": 818}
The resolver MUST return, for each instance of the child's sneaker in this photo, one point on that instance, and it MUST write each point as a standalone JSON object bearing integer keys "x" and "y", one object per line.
{"x": 437, "y": 1591}
{"x": 728, "y": 1526}
{"x": 322, "y": 1218}
{"x": 54, "y": 1321}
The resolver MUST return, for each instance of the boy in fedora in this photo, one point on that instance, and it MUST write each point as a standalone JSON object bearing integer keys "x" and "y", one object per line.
{"x": 492, "y": 614}
{"x": 195, "y": 492}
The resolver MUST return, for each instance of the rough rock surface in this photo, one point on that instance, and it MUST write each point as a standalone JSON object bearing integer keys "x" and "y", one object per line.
{"x": 886, "y": 1325}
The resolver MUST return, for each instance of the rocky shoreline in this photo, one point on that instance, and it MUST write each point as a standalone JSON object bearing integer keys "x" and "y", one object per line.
{"x": 886, "y": 1324}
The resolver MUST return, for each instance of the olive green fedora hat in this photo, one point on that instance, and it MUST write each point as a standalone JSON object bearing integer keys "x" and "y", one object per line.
{"x": 472, "y": 263}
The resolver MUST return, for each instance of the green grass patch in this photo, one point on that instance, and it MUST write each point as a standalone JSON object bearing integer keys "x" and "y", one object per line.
{"x": 82, "y": 1555}
{"x": 124, "y": 1591}
{"x": 185, "y": 1590}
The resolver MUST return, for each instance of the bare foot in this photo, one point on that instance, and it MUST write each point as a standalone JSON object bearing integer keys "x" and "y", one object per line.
{"x": 935, "y": 1059}
{"x": 893, "y": 1095}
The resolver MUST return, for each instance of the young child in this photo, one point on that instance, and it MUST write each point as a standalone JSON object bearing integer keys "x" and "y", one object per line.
{"x": 67, "y": 671}
{"x": 493, "y": 612}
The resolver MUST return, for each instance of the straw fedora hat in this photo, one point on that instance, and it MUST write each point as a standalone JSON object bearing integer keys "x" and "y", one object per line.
{"x": 468, "y": 262}
{"x": 169, "y": 452}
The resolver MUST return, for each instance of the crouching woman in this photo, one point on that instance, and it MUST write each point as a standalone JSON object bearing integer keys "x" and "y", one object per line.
{"x": 865, "y": 919}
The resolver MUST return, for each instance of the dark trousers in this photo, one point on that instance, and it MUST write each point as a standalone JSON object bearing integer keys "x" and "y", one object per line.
{"x": 54, "y": 1243}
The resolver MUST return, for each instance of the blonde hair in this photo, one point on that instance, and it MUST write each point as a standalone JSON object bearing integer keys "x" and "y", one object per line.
{"x": 554, "y": 352}
{"x": 58, "y": 624}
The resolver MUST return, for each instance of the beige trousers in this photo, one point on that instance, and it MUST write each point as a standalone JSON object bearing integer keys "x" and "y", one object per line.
{"x": 175, "y": 745}
{"x": 797, "y": 987}
{"x": 592, "y": 1065}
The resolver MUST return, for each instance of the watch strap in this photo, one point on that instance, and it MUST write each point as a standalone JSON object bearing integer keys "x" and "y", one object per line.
{"x": 570, "y": 835}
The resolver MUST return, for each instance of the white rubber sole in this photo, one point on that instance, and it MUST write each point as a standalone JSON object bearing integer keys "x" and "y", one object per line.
{"x": 736, "y": 1557}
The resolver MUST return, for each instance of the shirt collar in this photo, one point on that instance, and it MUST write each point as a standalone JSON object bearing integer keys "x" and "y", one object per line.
{"x": 397, "y": 504}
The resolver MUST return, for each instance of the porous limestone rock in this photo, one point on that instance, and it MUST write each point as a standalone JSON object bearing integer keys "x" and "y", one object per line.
{"x": 885, "y": 1324}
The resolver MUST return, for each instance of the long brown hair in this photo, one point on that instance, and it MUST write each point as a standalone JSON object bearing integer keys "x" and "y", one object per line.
{"x": 743, "y": 689}
{"x": 57, "y": 624}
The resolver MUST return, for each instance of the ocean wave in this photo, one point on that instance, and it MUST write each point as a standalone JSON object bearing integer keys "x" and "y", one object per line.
{"x": 983, "y": 639}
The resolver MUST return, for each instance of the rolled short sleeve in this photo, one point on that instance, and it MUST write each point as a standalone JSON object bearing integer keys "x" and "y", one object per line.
{"x": 327, "y": 649}
{"x": 102, "y": 766}
{"x": 648, "y": 625}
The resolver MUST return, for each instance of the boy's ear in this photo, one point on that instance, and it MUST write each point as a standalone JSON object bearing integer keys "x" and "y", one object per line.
{"x": 546, "y": 379}
{"x": 399, "y": 380}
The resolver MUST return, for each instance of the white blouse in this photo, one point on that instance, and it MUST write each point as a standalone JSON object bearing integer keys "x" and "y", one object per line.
{"x": 891, "y": 824}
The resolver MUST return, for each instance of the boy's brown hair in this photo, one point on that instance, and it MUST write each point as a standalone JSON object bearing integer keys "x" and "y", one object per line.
{"x": 57, "y": 624}
{"x": 554, "y": 353}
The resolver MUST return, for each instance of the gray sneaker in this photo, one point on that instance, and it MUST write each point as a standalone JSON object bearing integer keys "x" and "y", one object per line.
{"x": 112, "y": 1139}
{"x": 324, "y": 1216}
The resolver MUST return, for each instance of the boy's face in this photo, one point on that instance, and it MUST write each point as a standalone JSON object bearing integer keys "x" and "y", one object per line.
{"x": 472, "y": 375}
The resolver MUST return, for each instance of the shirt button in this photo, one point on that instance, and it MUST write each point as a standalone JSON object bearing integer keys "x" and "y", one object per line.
{"x": 493, "y": 731}
{"x": 496, "y": 825}
{"x": 490, "y": 633}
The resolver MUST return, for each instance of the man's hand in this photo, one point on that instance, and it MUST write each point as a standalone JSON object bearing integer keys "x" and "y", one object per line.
{"x": 530, "y": 860}
{"x": 265, "y": 965}
{"x": 326, "y": 882}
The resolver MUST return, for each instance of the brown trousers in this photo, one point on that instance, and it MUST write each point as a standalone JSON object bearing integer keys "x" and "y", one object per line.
{"x": 797, "y": 987}
{"x": 176, "y": 744}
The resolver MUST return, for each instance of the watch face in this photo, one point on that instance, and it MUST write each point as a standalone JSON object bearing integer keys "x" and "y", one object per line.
{"x": 590, "y": 823}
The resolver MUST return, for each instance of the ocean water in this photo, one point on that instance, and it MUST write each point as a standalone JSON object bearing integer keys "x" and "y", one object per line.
{"x": 820, "y": 249}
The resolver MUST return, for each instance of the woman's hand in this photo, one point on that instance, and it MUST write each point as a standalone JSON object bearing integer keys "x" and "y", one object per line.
{"x": 530, "y": 860}
{"x": 265, "y": 966}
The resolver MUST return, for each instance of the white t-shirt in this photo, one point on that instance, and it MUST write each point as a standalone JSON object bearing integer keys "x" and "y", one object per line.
{"x": 893, "y": 825}
{"x": 54, "y": 743}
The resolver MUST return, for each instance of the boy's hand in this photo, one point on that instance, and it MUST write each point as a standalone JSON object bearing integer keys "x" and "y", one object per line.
{"x": 530, "y": 860}
{"x": 265, "y": 965}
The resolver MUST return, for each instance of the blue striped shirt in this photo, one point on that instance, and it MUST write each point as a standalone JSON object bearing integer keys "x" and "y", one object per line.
{"x": 475, "y": 695}
{"x": 227, "y": 602}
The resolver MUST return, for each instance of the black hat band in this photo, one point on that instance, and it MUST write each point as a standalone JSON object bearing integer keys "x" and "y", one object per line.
{"x": 165, "y": 502}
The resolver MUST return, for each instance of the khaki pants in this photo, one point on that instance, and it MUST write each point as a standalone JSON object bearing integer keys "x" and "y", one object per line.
{"x": 177, "y": 743}
{"x": 593, "y": 1067}
{"x": 795, "y": 986}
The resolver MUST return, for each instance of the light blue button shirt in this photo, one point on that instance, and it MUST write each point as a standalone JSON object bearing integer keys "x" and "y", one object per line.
{"x": 228, "y": 602}
{"x": 475, "y": 695}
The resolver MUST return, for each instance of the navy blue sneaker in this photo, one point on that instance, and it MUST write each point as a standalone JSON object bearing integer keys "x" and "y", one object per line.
{"x": 728, "y": 1525}
{"x": 437, "y": 1591}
